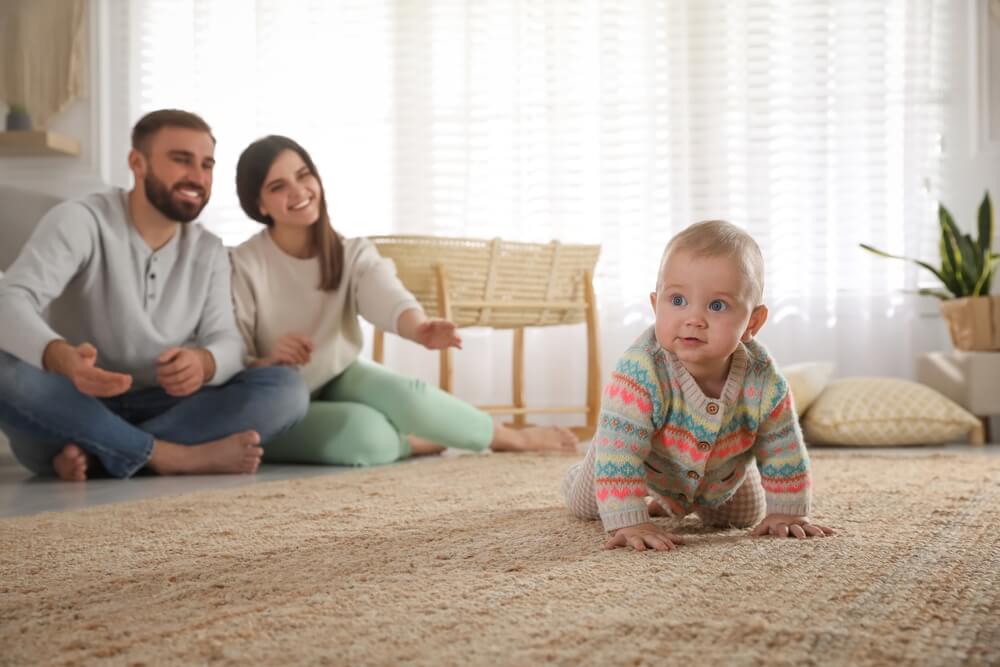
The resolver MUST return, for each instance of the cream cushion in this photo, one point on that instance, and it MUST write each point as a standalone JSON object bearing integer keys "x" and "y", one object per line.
{"x": 887, "y": 411}
{"x": 805, "y": 382}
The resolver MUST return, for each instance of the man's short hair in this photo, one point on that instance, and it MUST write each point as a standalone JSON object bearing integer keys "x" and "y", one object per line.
{"x": 718, "y": 238}
{"x": 155, "y": 121}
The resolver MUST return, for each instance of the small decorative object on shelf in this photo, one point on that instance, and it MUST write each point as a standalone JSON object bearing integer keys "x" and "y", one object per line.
{"x": 966, "y": 273}
{"x": 18, "y": 119}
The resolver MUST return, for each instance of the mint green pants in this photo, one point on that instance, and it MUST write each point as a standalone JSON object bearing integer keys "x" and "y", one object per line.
{"x": 363, "y": 416}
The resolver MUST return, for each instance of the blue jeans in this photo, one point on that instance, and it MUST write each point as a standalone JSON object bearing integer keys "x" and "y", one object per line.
{"x": 41, "y": 412}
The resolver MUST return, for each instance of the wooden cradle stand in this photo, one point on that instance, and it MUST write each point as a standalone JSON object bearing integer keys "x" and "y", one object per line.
{"x": 503, "y": 285}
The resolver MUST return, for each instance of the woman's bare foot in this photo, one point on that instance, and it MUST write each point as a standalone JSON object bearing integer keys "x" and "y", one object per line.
{"x": 421, "y": 447}
{"x": 534, "y": 439}
{"x": 71, "y": 464}
{"x": 235, "y": 454}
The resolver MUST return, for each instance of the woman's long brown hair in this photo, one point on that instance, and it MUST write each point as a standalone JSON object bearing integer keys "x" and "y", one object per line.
{"x": 251, "y": 170}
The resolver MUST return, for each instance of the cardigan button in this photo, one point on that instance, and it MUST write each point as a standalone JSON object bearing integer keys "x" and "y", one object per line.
{"x": 704, "y": 446}
{"x": 712, "y": 408}
{"x": 692, "y": 474}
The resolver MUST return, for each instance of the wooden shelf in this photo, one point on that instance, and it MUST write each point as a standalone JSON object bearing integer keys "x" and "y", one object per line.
{"x": 37, "y": 143}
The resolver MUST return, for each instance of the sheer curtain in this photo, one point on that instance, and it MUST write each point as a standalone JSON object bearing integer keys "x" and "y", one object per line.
{"x": 814, "y": 124}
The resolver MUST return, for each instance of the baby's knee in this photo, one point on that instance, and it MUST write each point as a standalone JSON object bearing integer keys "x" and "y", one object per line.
{"x": 726, "y": 524}
{"x": 578, "y": 493}
{"x": 725, "y": 520}
{"x": 582, "y": 512}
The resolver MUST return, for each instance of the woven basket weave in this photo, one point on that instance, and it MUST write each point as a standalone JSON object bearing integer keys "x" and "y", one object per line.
{"x": 495, "y": 283}
{"x": 503, "y": 285}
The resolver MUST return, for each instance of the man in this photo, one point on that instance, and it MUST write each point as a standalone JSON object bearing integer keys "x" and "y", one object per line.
{"x": 146, "y": 369}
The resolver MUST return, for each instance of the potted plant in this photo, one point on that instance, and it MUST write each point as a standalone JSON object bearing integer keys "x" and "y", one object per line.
{"x": 18, "y": 118}
{"x": 966, "y": 274}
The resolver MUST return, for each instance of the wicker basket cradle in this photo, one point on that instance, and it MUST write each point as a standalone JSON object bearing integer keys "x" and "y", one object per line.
{"x": 503, "y": 285}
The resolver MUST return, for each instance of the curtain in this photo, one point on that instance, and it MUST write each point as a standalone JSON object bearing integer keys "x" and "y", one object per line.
{"x": 44, "y": 55}
{"x": 816, "y": 125}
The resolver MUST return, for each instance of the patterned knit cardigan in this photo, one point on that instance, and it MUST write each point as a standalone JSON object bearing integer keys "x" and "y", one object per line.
{"x": 659, "y": 434}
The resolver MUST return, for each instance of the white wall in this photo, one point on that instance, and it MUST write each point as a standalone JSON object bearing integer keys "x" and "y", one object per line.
{"x": 86, "y": 120}
{"x": 972, "y": 166}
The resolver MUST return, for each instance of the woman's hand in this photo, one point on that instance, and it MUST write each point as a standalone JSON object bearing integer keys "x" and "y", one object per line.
{"x": 433, "y": 333}
{"x": 438, "y": 334}
{"x": 292, "y": 349}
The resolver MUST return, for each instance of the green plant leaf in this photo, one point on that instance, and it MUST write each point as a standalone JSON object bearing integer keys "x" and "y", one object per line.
{"x": 967, "y": 263}
{"x": 957, "y": 283}
{"x": 926, "y": 291}
{"x": 882, "y": 253}
{"x": 987, "y": 229}
{"x": 986, "y": 225}
{"x": 947, "y": 266}
{"x": 983, "y": 286}
{"x": 974, "y": 262}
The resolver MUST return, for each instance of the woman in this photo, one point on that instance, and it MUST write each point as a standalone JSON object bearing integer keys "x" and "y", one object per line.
{"x": 298, "y": 289}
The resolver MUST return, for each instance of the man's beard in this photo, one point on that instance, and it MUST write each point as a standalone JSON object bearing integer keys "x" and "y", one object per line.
{"x": 179, "y": 211}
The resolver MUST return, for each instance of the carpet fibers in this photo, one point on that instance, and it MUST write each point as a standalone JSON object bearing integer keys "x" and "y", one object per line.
{"x": 473, "y": 560}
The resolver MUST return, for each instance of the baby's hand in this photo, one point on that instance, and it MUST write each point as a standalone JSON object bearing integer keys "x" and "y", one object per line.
{"x": 787, "y": 525}
{"x": 644, "y": 535}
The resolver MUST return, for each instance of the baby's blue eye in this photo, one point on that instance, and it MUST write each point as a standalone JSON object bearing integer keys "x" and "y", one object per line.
{"x": 678, "y": 300}
{"x": 717, "y": 306}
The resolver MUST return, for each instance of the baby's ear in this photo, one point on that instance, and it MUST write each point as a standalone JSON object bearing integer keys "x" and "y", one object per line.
{"x": 757, "y": 319}
{"x": 652, "y": 301}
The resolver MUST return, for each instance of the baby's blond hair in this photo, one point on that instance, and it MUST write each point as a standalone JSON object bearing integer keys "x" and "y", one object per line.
{"x": 718, "y": 238}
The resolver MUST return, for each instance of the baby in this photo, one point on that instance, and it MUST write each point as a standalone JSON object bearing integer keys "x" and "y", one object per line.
{"x": 696, "y": 414}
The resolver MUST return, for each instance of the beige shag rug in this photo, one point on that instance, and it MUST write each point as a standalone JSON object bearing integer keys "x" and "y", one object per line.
{"x": 474, "y": 561}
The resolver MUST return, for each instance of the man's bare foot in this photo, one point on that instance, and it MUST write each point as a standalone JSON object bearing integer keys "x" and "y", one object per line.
{"x": 71, "y": 464}
{"x": 421, "y": 447}
{"x": 534, "y": 439}
{"x": 235, "y": 454}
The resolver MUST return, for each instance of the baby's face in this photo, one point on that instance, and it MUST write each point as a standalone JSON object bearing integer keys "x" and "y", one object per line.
{"x": 702, "y": 308}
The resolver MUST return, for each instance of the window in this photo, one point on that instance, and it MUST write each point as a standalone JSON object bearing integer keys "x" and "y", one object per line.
{"x": 813, "y": 124}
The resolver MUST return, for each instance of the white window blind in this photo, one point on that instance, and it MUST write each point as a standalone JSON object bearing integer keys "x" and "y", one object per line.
{"x": 814, "y": 124}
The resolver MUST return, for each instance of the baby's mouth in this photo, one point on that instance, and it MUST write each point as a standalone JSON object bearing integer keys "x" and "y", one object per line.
{"x": 691, "y": 340}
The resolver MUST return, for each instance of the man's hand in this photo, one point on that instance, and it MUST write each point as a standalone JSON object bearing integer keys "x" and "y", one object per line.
{"x": 181, "y": 371}
{"x": 644, "y": 535}
{"x": 787, "y": 525}
{"x": 435, "y": 334}
{"x": 79, "y": 364}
